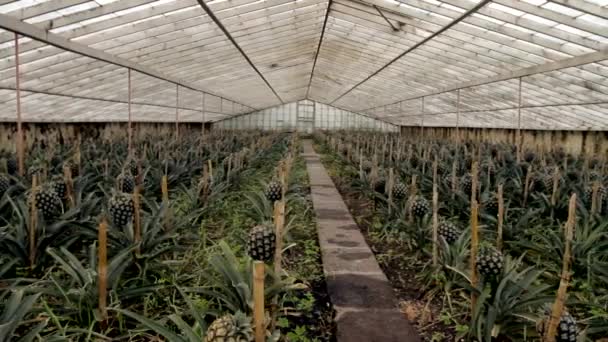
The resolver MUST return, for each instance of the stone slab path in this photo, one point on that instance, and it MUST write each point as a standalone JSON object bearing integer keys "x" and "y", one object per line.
{"x": 366, "y": 308}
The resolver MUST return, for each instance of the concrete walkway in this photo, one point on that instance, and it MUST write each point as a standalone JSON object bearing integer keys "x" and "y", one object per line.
{"x": 366, "y": 308}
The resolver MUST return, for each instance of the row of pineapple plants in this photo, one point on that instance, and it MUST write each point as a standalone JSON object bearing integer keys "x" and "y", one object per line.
{"x": 520, "y": 264}
{"x": 165, "y": 268}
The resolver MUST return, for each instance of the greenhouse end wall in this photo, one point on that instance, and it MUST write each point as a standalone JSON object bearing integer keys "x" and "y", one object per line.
{"x": 305, "y": 116}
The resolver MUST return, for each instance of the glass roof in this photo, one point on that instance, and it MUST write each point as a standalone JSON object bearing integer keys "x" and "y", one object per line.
{"x": 538, "y": 64}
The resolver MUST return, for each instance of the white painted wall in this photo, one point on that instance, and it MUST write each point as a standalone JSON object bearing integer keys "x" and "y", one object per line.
{"x": 293, "y": 116}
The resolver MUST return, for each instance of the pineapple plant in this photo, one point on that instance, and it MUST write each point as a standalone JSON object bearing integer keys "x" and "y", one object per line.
{"x": 467, "y": 184}
{"x": 11, "y": 166}
{"x": 529, "y": 156}
{"x": 420, "y": 207}
{"x": 274, "y": 191}
{"x": 567, "y": 330}
{"x": 5, "y": 183}
{"x": 126, "y": 182}
{"x": 490, "y": 262}
{"x": 230, "y": 328}
{"x": 448, "y": 231}
{"x": 380, "y": 185}
{"x": 59, "y": 187}
{"x": 491, "y": 205}
{"x": 261, "y": 243}
{"x": 121, "y": 209}
{"x": 48, "y": 203}
{"x": 400, "y": 191}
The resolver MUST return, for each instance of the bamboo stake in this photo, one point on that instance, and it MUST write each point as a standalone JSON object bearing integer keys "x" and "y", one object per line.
{"x": 69, "y": 184}
{"x": 501, "y": 216}
{"x": 33, "y": 221}
{"x": 389, "y": 186}
{"x": 474, "y": 181}
{"x": 555, "y": 187}
{"x": 527, "y": 184}
{"x": 258, "y": 301}
{"x": 136, "y": 218}
{"x": 474, "y": 248}
{"x": 102, "y": 268}
{"x": 454, "y": 178}
{"x": 594, "y": 195}
{"x": 165, "y": 199}
{"x": 279, "y": 216}
{"x": 558, "y": 305}
{"x": 435, "y": 215}
{"x": 411, "y": 199}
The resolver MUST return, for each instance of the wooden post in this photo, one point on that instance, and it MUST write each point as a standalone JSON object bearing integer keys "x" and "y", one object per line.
{"x": 474, "y": 181}
{"x": 130, "y": 126}
{"x": 527, "y": 184}
{"x": 279, "y": 217}
{"x": 102, "y": 267}
{"x": 20, "y": 143}
{"x": 69, "y": 184}
{"x": 176, "y": 112}
{"x": 210, "y": 164}
{"x": 501, "y": 216}
{"x": 389, "y": 189}
{"x": 137, "y": 218}
{"x": 411, "y": 199}
{"x": 258, "y": 301}
{"x": 33, "y": 221}
{"x": 422, "y": 122}
{"x": 454, "y": 178}
{"x": 518, "y": 137}
{"x": 203, "y": 119}
{"x": 474, "y": 248}
{"x": 165, "y": 199}
{"x": 555, "y": 187}
{"x": 558, "y": 305}
{"x": 594, "y": 195}
{"x": 458, "y": 116}
{"x": 435, "y": 215}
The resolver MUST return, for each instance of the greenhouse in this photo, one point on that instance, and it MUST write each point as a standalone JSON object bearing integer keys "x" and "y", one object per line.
{"x": 304, "y": 170}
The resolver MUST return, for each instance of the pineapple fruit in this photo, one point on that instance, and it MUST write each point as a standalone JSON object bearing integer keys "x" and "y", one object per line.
{"x": 420, "y": 207}
{"x": 489, "y": 262}
{"x": 274, "y": 191}
{"x": 261, "y": 243}
{"x": 5, "y": 183}
{"x": 400, "y": 191}
{"x": 448, "y": 231}
{"x": 230, "y": 328}
{"x": 121, "y": 208}
{"x": 48, "y": 203}
{"x": 126, "y": 182}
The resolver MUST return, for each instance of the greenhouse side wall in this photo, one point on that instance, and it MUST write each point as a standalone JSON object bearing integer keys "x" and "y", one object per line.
{"x": 305, "y": 116}
{"x": 51, "y": 133}
{"x": 576, "y": 142}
